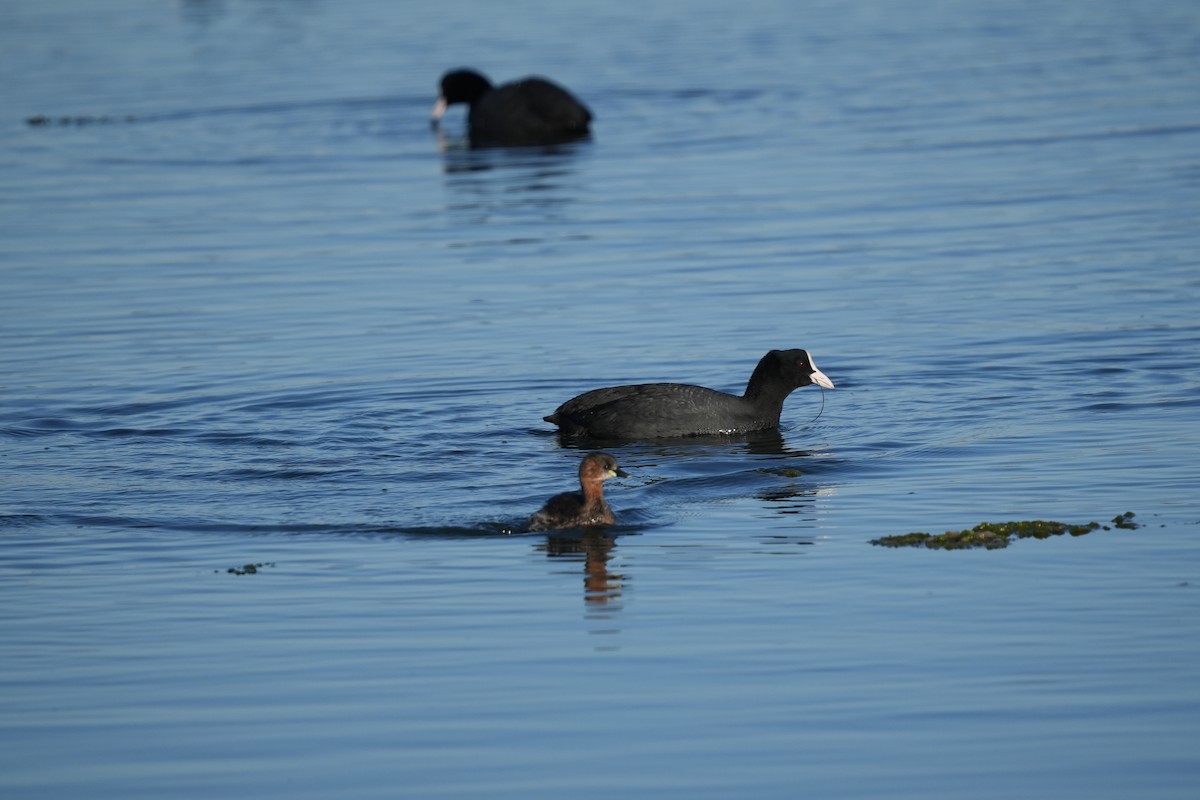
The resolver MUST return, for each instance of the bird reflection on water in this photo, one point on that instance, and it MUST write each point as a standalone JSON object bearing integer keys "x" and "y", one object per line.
{"x": 601, "y": 587}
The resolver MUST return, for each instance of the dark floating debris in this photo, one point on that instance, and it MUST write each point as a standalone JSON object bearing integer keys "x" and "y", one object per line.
{"x": 996, "y": 535}
{"x": 41, "y": 121}
{"x": 248, "y": 569}
{"x": 1124, "y": 521}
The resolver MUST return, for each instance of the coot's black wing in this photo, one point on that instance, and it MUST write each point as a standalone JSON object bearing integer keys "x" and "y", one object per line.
{"x": 554, "y": 104}
{"x": 653, "y": 410}
{"x": 532, "y": 111}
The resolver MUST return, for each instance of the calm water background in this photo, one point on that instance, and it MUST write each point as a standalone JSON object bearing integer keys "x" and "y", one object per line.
{"x": 273, "y": 319}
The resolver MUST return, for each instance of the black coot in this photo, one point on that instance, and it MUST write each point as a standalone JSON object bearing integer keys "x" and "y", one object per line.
{"x": 668, "y": 410}
{"x": 531, "y": 111}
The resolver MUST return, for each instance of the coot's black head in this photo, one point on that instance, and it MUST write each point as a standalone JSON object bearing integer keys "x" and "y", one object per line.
{"x": 793, "y": 368}
{"x": 463, "y": 86}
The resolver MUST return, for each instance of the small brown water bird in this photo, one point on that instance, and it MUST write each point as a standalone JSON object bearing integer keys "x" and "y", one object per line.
{"x": 586, "y": 507}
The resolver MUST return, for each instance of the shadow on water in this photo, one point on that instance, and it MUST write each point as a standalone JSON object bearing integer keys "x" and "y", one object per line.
{"x": 768, "y": 442}
{"x": 511, "y": 170}
{"x": 515, "y": 169}
{"x": 513, "y": 186}
{"x": 460, "y": 156}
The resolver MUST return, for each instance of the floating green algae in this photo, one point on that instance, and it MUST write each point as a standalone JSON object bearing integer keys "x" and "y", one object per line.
{"x": 995, "y": 535}
{"x": 1124, "y": 521}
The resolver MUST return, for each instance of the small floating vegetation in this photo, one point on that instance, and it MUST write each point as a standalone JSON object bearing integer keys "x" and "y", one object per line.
{"x": 995, "y": 535}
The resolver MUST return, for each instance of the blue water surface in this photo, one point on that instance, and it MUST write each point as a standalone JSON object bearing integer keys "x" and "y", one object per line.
{"x": 255, "y": 311}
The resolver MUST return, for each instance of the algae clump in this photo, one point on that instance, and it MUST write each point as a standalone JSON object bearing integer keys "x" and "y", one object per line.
{"x": 995, "y": 535}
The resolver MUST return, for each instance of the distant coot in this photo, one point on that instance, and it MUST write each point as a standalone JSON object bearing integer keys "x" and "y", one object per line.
{"x": 531, "y": 111}
{"x": 583, "y": 508}
{"x": 667, "y": 410}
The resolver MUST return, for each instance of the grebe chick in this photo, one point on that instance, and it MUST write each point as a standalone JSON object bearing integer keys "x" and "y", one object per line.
{"x": 531, "y": 111}
{"x": 583, "y": 508}
{"x": 667, "y": 410}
